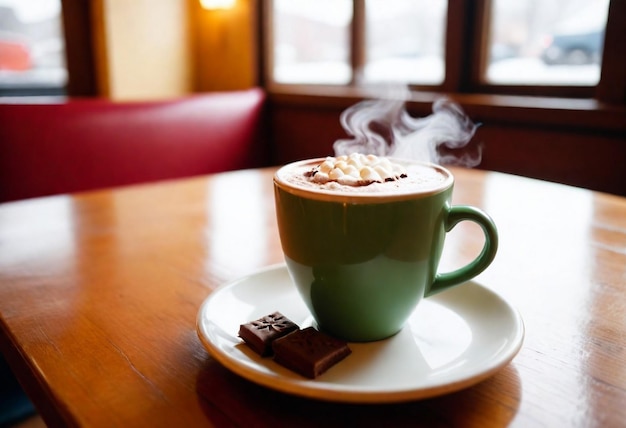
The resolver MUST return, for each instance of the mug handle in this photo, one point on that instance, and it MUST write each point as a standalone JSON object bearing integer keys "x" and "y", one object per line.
{"x": 457, "y": 214}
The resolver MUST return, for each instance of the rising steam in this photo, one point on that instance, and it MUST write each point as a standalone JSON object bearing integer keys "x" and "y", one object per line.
{"x": 384, "y": 128}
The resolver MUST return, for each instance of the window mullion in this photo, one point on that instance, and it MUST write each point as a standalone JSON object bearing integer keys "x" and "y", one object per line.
{"x": 459, "y": 49}
{"x": 358, "y": 42}
{"x": 84, "y": 48}
{"x": 612, "y": 85}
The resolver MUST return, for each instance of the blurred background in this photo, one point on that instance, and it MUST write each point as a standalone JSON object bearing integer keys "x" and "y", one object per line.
{"x": 528, "y": 42}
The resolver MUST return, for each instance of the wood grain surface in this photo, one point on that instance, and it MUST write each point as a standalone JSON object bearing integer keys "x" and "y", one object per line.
{"x": 99, "y": 294}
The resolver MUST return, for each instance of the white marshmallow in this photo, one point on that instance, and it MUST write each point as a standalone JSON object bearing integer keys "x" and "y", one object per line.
{"x": 348, "y": 180}
{"x": 321, "y": 177}
{"x": 335, "y": 174}
{"x": 369, "y": 174}
{"x": 357, "y": 169}
{"x": 327, "y": 166}
{"x": 351, "y": 170}
{"x": 383, "y": 172}
{"x": 341, "y": 165}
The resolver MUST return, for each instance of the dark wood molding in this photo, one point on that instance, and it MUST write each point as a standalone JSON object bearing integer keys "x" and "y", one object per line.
{"x": 459, "y": 46}
{"x": 612, "y": 86}
{"x": 358, "y": 41}
{"x": 536, "y": 111}
{"x": 79, "y": 48}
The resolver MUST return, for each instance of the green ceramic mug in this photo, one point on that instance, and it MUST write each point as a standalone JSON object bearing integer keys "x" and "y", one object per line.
{"x": 363, "y": 254}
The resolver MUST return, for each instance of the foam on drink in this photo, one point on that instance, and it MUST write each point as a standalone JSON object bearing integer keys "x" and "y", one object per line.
{"x": 364, "y": 175}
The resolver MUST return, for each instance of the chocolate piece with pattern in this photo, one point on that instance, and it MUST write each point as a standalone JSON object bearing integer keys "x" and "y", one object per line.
{"x": 259, "y": 334}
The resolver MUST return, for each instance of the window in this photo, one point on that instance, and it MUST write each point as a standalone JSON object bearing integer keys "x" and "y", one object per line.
{"x": 32, "y": 49}
{"x": 496, "y": 46}
{"x": 404, "y": 41}
{"x": 546, "y": 43}
{"x": 311, "y": 41}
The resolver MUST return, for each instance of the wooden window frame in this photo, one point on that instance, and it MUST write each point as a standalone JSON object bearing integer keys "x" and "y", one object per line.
{"x": 78, "y": 18}
{"x": 465, "y": 50}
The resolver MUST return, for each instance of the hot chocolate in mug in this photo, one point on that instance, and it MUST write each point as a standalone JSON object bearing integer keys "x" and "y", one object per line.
{"x": 363, "y": 235}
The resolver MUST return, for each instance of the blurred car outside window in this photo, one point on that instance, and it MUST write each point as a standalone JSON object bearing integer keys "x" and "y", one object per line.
{"x": 32, "y": 48}
{"x": 556, "y": 42}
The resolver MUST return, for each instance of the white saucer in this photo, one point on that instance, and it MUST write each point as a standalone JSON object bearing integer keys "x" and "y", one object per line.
{"x": 452, "y": 340}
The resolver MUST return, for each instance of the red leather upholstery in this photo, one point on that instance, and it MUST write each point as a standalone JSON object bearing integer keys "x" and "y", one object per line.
{"x": 93, "y": 143}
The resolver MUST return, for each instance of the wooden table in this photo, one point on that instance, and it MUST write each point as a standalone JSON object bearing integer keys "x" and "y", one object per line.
{"x": 99, "y": 294}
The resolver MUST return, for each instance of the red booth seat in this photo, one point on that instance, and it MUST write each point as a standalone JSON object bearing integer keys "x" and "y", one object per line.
{"x": 85, "y": 144}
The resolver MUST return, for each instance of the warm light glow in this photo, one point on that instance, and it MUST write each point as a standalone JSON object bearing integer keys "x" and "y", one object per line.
{"x": 217, "y": 4}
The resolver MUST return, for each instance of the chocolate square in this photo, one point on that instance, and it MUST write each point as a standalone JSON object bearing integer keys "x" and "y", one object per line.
{"x": 259, "y": 334}
{"x": 309, "y": 352}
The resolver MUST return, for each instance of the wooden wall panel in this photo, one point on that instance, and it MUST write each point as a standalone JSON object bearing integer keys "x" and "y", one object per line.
{"x": 300, "y": 132}
{"x": 581, "y": 159}
{"x": 586, "y": 158}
